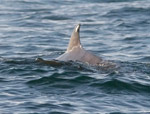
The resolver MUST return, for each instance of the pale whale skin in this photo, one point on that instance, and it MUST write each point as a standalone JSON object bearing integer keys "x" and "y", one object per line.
{"x": 79, "y": 54}
{"x": 76, "y": 52}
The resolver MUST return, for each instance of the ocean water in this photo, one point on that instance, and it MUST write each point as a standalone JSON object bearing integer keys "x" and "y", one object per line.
{"x": 116, "y": 30}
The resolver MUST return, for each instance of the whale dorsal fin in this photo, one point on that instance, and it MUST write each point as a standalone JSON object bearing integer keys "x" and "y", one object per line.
{"x": 75, "y": 38}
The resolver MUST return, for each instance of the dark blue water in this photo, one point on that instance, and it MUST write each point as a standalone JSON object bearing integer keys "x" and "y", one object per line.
{"x": 116, "y": 30}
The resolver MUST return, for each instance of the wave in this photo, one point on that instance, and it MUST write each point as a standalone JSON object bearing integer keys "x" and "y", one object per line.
{"x": 116, "y": 85}
{"x": 127, "y": 11}
{"x": 129, "y": 77}
{"x": 109, "y": 1}
{"x": 111, "y": 83}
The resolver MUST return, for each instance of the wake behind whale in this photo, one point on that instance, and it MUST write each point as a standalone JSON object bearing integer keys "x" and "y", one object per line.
{"x": 76, "y": 52}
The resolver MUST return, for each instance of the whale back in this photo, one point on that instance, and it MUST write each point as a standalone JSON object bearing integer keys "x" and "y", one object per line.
{"x": 76, "y": 52}
{"x": 75, "y": 39}
{"x": 80, "y": 54}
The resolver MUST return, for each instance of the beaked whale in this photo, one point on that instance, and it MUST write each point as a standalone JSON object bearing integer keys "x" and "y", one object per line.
{"x": 75, "y": 52}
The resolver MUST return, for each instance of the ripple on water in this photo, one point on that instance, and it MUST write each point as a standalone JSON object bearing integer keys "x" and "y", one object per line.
{"x": 116, "y": 30}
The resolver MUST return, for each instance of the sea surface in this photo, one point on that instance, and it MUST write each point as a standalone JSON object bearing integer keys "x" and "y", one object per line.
{"x": 116, "y": 30}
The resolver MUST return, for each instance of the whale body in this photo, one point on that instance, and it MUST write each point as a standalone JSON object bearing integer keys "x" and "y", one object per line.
{"x": 75, "y": 51}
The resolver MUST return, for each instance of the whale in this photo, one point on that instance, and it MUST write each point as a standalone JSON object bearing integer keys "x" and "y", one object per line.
{"x": 75, "y": 52}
